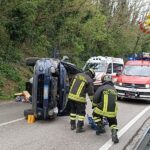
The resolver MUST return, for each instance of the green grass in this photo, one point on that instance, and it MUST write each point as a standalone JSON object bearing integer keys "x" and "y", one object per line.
{"x": 6, "y": 98}
{"x": 12, "y": 80}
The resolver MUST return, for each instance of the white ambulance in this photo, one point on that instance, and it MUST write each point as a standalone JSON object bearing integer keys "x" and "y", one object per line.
{"x": 104, "y": 65}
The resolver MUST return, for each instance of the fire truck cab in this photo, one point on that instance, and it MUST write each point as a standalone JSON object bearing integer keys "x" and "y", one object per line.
{"x": 134, "y": 81}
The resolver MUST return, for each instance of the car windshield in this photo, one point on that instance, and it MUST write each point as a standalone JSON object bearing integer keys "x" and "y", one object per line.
{"x": 137, "y": 71}
{"x": 98, "y": 67}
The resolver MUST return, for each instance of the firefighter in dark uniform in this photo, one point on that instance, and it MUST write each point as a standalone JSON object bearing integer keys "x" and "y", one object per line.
{"x": 81, "y": 84}
{"x": 105, "y": 105}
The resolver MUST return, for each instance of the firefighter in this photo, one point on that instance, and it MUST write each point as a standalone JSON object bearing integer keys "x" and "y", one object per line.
{"x": 82, "y": 83}
{"x": 105, "y": 105}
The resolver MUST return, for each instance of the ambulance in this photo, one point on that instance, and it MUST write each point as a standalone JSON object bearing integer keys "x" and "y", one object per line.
{"x": 104, "y": 65}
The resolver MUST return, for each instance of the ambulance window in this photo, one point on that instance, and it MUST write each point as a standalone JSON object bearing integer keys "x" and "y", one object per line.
{"x": 98, "y": 67}
{"x": 109, "y": 69}
{"x": 117, "y": 67}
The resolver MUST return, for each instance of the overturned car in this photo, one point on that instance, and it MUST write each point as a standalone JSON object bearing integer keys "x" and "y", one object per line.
{"x": 49, "y": 87}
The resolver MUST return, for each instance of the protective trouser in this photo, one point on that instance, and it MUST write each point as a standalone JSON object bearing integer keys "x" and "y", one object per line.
{"x": 77, "y": 112}
{"x": 112, "y": 121}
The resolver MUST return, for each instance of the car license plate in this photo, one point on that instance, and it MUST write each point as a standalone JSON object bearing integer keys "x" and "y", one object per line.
{"x": 130, "y": 94}
{"x": 45, "y": 91}
{"x": 132, "y": 89}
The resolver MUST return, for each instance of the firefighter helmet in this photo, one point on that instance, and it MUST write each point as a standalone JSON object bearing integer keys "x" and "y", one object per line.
{"x": 92, "y": 72}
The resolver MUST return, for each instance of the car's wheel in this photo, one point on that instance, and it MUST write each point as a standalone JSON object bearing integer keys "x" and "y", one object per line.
{"x": 28, "y": 112}
{"x": 31, "y": 61}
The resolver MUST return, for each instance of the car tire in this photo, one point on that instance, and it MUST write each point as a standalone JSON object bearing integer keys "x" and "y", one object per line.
{"x": 31, "y": 61}
{"x": 28, "y": 112}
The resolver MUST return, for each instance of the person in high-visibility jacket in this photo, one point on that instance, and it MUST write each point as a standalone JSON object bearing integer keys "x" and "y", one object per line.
{"x": 82, "y": 83}
{"x": 105, "y": 105}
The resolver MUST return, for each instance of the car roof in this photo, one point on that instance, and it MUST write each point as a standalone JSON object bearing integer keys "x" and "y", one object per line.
{"x": 138, "y": 63}
{"x": 105, "y": 59}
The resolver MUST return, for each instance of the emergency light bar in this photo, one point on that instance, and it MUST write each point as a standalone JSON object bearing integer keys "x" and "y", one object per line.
{"x": 140, "y": 56}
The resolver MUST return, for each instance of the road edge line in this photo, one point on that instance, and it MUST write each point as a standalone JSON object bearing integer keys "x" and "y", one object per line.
{"x": 109, "y": 143}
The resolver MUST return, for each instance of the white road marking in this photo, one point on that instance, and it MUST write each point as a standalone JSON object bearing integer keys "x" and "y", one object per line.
{"x": 109, "y": 143}
{"x": 13, "y": 121}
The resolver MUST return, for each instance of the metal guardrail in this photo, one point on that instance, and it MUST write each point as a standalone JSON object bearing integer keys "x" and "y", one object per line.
{"x": 144, "y": 143}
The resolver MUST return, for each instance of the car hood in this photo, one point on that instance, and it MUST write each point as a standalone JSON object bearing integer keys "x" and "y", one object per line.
{"x": 134, "y": 79}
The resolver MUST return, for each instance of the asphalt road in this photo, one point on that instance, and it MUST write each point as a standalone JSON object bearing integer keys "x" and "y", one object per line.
{"x": 56, "y": 134}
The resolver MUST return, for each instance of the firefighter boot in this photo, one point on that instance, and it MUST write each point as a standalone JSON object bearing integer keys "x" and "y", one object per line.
{"x": 80, "y": 127}
{"x": 114, "y": 136}
{"x": 73, "y": 124}
{"x": 100, "y": 129}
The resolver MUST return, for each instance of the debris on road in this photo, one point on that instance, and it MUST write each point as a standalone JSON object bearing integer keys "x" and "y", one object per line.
{"x": 23, "y": 97}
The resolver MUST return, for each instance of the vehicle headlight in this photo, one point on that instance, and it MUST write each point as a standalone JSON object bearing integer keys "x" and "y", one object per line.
{"x": 120, "y": 83}
{"x": 114, "y": 79}
{"x": 147, "y": 86}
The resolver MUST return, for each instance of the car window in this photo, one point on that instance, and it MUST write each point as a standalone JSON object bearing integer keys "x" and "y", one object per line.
{"x": 117, "y": 67}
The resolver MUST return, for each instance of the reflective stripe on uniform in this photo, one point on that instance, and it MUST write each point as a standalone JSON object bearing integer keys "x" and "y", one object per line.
{"x": 81, "y": 78}
{"x": 106, "y": 114}
{"x": 80, "y": 88}
{"x": 113, "y": 127}
{"x": 116, "y": 108}
{"x": 72, "y": 116}
{"x": 72, "y": 84}
{"x": 105, "y": 102}
{"x": 81, "y": 118}
{"x": 94, "y": 104}
{"x": 96, "y": 119}
{"x": 76, "y": 98}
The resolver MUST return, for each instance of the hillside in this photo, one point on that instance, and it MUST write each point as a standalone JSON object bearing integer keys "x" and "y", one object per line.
{"x": 77, "y": 28}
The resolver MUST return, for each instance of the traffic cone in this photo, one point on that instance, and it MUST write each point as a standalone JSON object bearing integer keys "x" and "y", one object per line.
{"x": 31, "y": 119}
